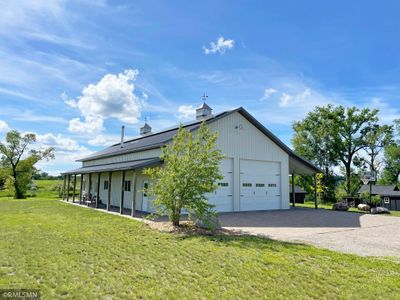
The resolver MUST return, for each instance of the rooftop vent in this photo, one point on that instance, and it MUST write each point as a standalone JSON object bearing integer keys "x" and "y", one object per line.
{"x": 146, "y": 129}
{"x": 203, "y": 111}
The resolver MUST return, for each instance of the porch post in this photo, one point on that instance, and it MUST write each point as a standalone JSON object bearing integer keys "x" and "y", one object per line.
{"x": 121, "y": 201}
{"x": 315, "y": 191}
{"x": 90, "y": 184}
{"x": 80, "y": 190}
{"x": 63, "y": 191}
{"x": 109, "y": 190}
{"x": 69, "y": 178}
{"x": 73, "y": 195}
{"x": 98, "y": 191}
{"x": 134, "y": 195}
{"x": 293, "y": 193}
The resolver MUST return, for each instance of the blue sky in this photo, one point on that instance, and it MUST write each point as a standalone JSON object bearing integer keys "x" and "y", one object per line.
{"x": 73, "y": 71}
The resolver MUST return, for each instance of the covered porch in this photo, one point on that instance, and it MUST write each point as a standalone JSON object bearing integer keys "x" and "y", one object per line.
{"x": 299, "y": 167}
{"x": 116, "y": 187}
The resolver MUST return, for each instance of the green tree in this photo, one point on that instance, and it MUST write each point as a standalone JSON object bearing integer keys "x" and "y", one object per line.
{"x": 377, "y": 138}
{"x": 19, "y": 160}
{"x": 391, "y": 171}
{"x": 313, "y": 139}
{"x": 353, "y": 126}
{"x": 191, "y": 169}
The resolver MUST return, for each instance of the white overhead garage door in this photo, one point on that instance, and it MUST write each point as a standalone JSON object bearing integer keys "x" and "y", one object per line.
{"x": 222, "y": 197}
{"x": 259, "y": 185}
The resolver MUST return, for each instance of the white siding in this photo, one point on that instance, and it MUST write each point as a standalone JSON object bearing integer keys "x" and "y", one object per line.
{"x": 240, "y": 139}
{"x": 123, "y": 157}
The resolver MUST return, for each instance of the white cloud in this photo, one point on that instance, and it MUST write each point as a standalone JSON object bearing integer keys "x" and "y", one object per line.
{"x": 268, "y": 93}
{"x": 67, "y": 151}
{"x": 3, "y": 126}
{"x": 59, "y": 142}
{"x": 187, "y": 112}
{"x": 112, "y": 97}
{"x": 104, "y": 140}
{"x": 221, "y": 46}
{"x": 92, "y": 124}
{"x": 290, "y": 100}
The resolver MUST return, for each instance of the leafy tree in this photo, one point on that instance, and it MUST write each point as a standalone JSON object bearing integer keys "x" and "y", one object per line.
{"x": 313, "y": 140}
{"x": 19, "y": 160}
{"x": 391, "y": 171}
{"x": 330, "y": 135}
{"x": 191, "y": 169}
{"x": 353, "y": 125}
{"x": 377, "y": 138}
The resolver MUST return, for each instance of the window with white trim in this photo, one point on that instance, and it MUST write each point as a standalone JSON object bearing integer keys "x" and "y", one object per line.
{"x": 247, "y": 184}
{"x": 105, "y": 187}
{"x": 386, "y": 200}
{"x": 223, "y": 184}
{"x": 260, "y": 184}
{"x": 271, "y": 184}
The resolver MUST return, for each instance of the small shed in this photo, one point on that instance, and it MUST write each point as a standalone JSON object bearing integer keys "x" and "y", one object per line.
{"x": 300, "y": 194}
{"x": 390, "y": 195}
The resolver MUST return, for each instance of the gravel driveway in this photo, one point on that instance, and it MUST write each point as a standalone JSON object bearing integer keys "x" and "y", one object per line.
{"x": 362, "y": 234}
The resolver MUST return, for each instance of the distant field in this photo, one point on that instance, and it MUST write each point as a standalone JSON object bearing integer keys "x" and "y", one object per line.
{"x": 45, "y": 189}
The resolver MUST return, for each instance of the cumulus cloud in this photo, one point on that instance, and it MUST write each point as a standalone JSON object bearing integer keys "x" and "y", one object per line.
{"x": 3, "y": 126}
{"x": 104, "y": 140}
{"x": 59, "y": 142}
{"x": 220, "y": 46}
{"x": 186, "y": 112}
{"x": 112, "y": 97}
{"x": 67, "y": 151}
{"x": 91, "y": 124}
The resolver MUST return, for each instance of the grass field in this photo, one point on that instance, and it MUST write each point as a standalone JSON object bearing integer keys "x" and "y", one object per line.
{"x": 352, "y": 209}
{"x": 73, "y": 252}
{"x": 44, "y": 189}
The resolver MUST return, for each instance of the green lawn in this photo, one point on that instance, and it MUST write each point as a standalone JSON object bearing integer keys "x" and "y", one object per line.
{"x": 352, "y": 209}
{"x": 73, "y": 252}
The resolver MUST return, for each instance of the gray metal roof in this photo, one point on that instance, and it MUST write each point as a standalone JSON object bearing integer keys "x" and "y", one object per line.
{"x": 129, "y": 165}
{"x": 149, "y": 141}
{"x": 158, "y": 139}
{"x": 380, "y": 189}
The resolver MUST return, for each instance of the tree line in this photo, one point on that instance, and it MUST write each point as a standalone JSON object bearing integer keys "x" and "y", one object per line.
{"x": 351, "y": 140}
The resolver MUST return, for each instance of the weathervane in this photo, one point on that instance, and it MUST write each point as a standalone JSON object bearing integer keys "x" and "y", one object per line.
{"x": 145, "y": 119}
{"x": 204, "y": 97}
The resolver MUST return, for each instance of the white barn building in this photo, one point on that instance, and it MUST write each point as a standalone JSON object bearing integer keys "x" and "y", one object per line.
{"x": 256, "y": 167}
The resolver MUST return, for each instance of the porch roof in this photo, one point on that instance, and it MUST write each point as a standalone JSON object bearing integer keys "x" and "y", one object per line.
{"x": 123, "y": 166}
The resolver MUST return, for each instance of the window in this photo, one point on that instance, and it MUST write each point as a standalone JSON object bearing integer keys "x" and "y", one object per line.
{"x": 145, "y": 187}
{"x": 247, "y": 184}
{"x": 386, "y": 200}
{"x": 106, "y": 184}
{"x": 271, "y": 184}
{"x": 127, "y": 186}
{"x": 260, "y": 184}
{"x": 223, "y": 184}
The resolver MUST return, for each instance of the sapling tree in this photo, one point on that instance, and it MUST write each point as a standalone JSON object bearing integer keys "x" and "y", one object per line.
{"x": 190, "y": 170}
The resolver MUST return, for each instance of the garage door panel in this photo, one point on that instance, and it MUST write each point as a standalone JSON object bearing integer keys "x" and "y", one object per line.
{"x": 222, "y": 197}
{"x": 259, "y": 185}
